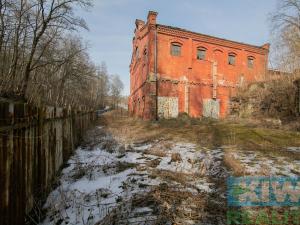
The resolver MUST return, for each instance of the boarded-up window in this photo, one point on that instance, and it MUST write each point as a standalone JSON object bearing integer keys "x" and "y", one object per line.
{"x": 250, "y": 62}
{"x": 231, "y": 59}
{"x": 175, "y": 49}
{"x": 167, "y": 107}
{"x": 211, "y": 108}
{"x": 201, "y": 52}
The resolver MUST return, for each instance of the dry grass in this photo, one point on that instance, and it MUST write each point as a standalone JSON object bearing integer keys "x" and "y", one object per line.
{"x": 157, "y": 151}
{"x": 179, "y": 206}
{"x": 238, "y": 169}
{"x": 167, "y": 145}
{"x": 170, "y": 205}
{"x": 234, "y": 164}
{"x": 273, "y": 98}
{"x": 160, "y": 149}
{"x": 122, "y": 166}
{"x": 176, "y": 157}
{"x": 166, "y": 175}
{"x": 203, "y": 132}
{"x": 128, "y": 129}
{"x": 153, "y": 163}
{"x": 169, "y": 198}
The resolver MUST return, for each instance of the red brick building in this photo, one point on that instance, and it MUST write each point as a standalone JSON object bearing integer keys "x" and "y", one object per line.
{"x": 174, "y": 70}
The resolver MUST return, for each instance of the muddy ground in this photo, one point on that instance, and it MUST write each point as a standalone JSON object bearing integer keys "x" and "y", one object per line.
{"x": 129, "y": 171}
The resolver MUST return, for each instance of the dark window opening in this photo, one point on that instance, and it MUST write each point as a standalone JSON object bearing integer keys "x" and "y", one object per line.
{"x": 175, "y": 49}
{"x": 231, "y": 59}
{"x": 201, "y": 53}
{"x": 250, "y": 62}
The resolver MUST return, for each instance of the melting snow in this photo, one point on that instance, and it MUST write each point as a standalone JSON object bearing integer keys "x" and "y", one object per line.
{"x": 97, "y": 180}
{"x": 257, "y": 163}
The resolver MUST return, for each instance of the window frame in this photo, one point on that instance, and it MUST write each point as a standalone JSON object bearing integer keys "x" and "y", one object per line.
{"x": 175, "y": 44}
{"x": 233, "y": 56}
{"x": 250, "y": 58}
{"x": 201, "y": 49}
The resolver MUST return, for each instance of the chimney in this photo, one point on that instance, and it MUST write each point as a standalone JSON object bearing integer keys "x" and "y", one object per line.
{"x": 266, "y": 46}
{"x": 151, "y": 19}
{"x": 139, "y": 24}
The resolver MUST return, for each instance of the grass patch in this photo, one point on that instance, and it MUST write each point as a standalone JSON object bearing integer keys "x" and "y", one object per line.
{"x": 230, "y": 162}
{"x": 153, "y": 163}
{"x": 176, "y": 157}
{"x": 156, "y": 151}
{"x": 204, "y": 132}
{"x": 166, "y": 175}
{"x": 122, "y": 166}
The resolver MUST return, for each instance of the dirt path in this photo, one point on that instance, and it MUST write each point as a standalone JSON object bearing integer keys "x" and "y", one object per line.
{"x": 121, "y": 175}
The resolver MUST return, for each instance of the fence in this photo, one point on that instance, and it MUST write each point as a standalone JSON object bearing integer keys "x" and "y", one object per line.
{"x": 34, "y": 143}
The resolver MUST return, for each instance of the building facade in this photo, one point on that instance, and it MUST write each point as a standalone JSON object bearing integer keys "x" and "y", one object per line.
{"x": 175, "y": 71}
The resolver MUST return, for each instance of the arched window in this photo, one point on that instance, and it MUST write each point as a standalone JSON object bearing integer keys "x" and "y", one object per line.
{"x": 175, "y": 49}
{"x": 201, "y": 53}
{"x": 231, "y": 58}
{"x": 250, "y": 61}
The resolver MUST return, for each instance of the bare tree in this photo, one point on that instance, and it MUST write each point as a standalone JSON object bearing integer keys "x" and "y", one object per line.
{"x": 43, "y": 60}
{"x": 49, "y": 16}
{"x": 116, "y": 89}
{"x": 104, "y": 85}
{"x": 276, "y": 97}
{"x": 286, "y": 30}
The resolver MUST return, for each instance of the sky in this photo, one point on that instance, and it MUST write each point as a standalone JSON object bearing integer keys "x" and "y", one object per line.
{"x": 111, "y": 25}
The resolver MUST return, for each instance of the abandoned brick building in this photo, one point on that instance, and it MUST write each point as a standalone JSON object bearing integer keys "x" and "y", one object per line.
{"x": 174, "y": 71}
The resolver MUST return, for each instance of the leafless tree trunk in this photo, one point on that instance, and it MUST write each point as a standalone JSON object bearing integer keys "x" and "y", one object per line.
{"x": 42, "y": 58}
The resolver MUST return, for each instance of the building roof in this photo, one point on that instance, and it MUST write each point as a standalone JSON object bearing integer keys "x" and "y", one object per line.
{"x": 263, "y": 47}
